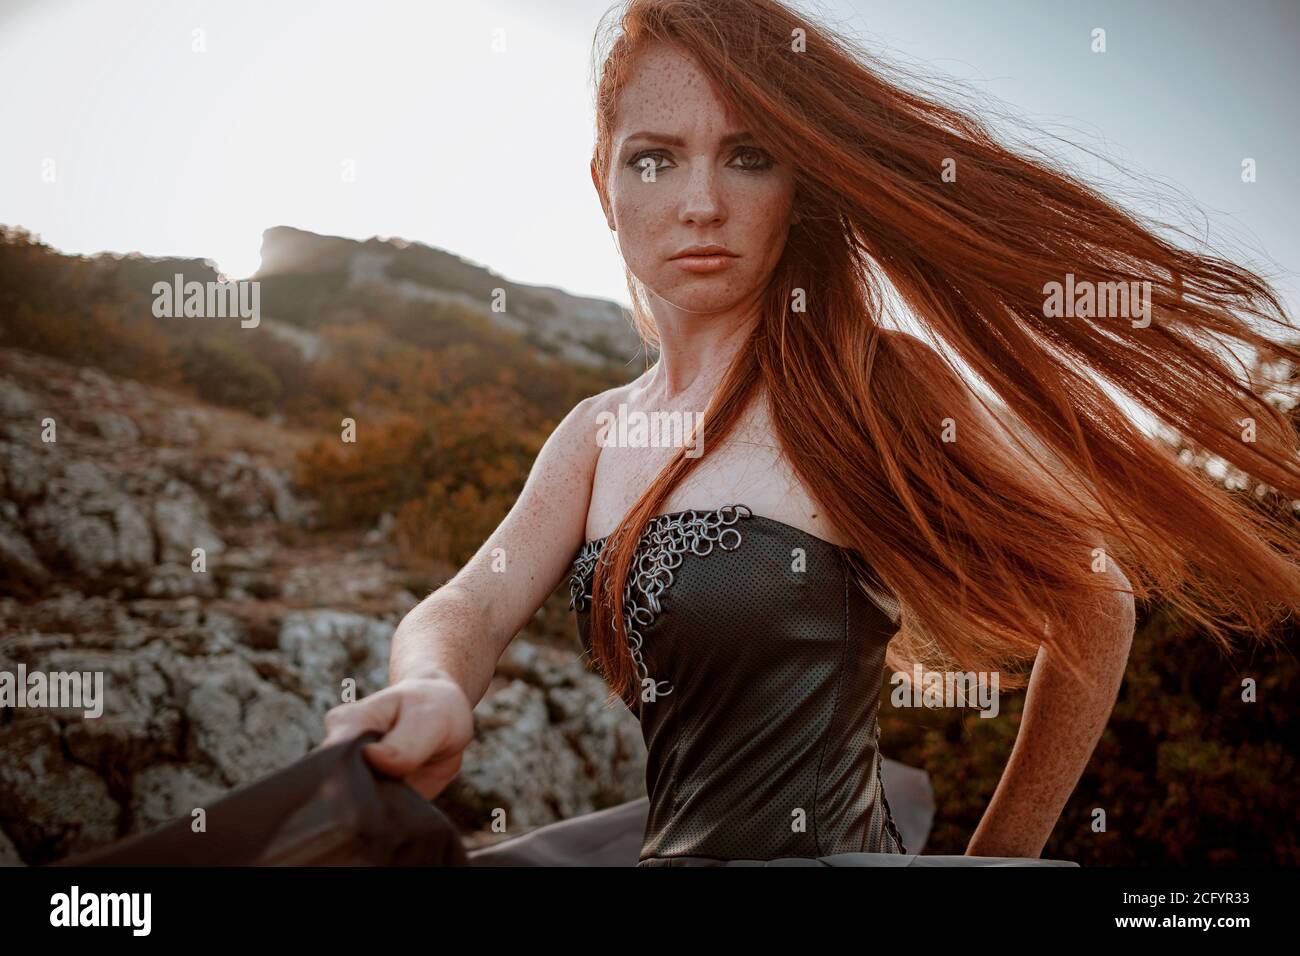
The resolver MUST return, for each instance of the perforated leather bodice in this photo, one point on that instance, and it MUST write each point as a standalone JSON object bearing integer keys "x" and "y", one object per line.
{"x": 762, "y": 655}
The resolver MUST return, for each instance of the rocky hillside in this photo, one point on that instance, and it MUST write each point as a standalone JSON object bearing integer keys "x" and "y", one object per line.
{"x": 215, "y": 678}
{"x": 575, "y": 329}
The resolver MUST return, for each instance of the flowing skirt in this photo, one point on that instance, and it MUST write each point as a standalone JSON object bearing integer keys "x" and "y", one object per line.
{"x": 332, "y": 809}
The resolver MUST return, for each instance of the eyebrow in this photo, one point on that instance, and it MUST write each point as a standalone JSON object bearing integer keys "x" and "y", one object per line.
{"x": 670, "y": 140}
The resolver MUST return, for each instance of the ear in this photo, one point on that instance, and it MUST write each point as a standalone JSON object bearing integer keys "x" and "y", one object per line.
{"x": 600, "y": 191}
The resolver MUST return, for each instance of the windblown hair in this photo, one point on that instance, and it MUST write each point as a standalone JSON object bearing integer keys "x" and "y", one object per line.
{"x": 989, "y": 554}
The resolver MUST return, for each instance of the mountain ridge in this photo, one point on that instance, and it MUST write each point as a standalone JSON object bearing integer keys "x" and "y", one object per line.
{"x": 583, "y": 329}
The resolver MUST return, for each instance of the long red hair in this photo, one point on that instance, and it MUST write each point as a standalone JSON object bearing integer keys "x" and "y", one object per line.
{"x": 988, "y": 554}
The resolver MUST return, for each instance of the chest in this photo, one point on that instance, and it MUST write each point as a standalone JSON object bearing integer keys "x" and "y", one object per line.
{"x": 748, "y": 466}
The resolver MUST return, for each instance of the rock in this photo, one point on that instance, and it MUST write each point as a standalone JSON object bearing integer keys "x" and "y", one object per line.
{"x": 239, "y": 723}
{"x": 165, "y": 792}
{"x": 236, "y": 484}
{"x": 173, "y": 580}
{"x": 135, "y": 540}
{"x": 23, "y": 472}
{"x": 543, "y": 666}
{"x": 287, "y": 508}
{"x": 180, "y": 616}
{"x": 381, "y": 530}
{"x": 72, "y": 613}
{"x": 181, "y": 427}
{"x": 182, "y": 524}
{"x": 141, "y": 721}
{"x": 9, "y": 853}
{"x": 192, "y": 710}
{"x": 15, "y": 400}
{"x": 224, "y": 632}
{"x": 82, "y": 520}
{"x": 518, "y": 762}
{"x": 50, "y": 807}
{"x": 96, "y": 378}
{"x": 116, "y": 427}
{"x": 84, "y": 542}
{"x": 243, "y": 488}
{"x": 352, "y": 579}
{"x": 546, "y": 745}
{"x": 607, "y": 736}
{"x": 330, "y": 646}
{"x": 81, "y": 478}
{"x": 19, "y": 564}
{"x": 248, "y": 559}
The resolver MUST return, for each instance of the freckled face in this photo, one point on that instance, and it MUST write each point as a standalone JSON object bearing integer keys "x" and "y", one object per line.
{"x": 683, "y": 174}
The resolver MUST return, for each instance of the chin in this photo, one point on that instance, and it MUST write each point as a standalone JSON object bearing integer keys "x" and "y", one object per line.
{"x": 708, "y": 293}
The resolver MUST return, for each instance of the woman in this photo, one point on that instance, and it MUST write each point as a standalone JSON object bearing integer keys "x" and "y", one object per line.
{"x": 856, "y": 507}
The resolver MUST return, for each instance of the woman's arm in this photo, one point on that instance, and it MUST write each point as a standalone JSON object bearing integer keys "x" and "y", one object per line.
{"x": 461, "y": 630}
{"x": 1059, "y": 728}
{"x": 1062, "y": 718}
{"x": 445, "y": 650}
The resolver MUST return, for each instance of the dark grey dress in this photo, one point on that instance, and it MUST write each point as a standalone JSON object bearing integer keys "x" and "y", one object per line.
{"x": 761, "y": 653}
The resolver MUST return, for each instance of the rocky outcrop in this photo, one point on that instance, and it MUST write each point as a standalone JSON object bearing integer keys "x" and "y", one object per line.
{"x": 99, "y": 482}
{"x": 214, "y": 677}
{"x": 94, "y": 521}
{"x": 546, "y": 746}
{"x": 192, "y": 708}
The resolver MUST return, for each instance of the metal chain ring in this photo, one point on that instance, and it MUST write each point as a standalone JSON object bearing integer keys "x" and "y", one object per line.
{"x": 660, "y": 550}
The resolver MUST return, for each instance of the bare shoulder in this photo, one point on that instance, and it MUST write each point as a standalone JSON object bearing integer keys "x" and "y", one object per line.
{"x": 543, "y": 529}
{"x": 580, "y": 426}
{"x": 611, "y": 398}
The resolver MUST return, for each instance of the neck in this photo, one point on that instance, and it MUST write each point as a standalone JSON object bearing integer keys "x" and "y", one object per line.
{"x": 696, "y": 348}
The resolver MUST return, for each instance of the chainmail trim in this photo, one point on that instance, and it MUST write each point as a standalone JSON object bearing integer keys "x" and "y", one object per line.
{"x": 660, "y": 550}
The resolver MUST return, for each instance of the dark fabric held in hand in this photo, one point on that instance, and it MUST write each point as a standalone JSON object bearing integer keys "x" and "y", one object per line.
{"x": 332, "y": 809}
{"x": 328, "y": 809}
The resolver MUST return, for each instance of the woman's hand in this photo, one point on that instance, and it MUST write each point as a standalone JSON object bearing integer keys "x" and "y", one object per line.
{"x": 427, "y": 723}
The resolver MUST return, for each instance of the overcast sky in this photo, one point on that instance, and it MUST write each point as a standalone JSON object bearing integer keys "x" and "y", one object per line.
{"x": 153, "y": 145}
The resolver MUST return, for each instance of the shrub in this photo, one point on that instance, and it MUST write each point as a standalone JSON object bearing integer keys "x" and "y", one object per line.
{"x": 227, "y": 373}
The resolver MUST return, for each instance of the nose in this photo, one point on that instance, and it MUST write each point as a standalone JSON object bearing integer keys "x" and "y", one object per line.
{"x": 701, "y": 203}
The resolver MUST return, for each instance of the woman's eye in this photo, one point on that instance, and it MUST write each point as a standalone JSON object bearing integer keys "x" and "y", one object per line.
{"x": 752, "y": 159}
{"x": 759, "y": 160}
{"x": 647, "y": 160}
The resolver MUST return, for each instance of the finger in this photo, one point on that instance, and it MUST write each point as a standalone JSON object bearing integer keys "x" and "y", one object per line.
{"x": 415, "y": 738}
{"x": 431, "y": 780}
{"x": 421, "y": 734}
{"x": 348, "y": 721}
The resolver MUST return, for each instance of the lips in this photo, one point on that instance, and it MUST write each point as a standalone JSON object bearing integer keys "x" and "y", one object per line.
{"x": 703, "y": 263}
{"x": 705, "y": 252}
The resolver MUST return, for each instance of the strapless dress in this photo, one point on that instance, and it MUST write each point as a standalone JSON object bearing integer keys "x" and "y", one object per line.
{"x": 761, "y": 654}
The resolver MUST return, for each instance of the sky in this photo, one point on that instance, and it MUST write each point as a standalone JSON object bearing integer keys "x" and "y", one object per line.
{"x": 181, "y": 127}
